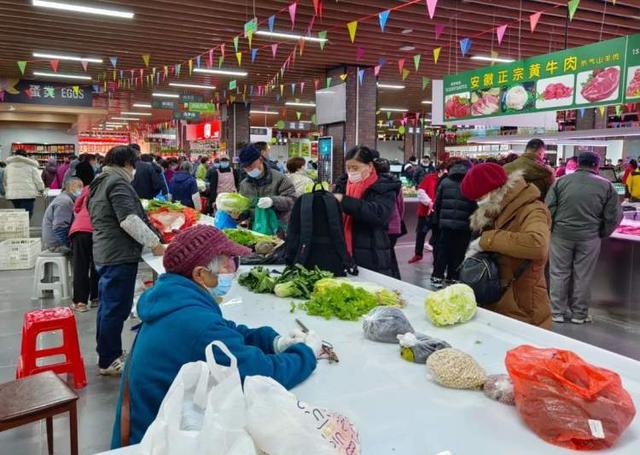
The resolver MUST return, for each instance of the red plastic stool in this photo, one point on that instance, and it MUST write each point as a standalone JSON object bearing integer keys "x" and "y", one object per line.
{"x": 39, "y": 321}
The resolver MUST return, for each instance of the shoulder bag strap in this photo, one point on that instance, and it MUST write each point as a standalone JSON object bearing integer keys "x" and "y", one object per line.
{"x": 125, "y": 407}
{"x": 334, "y": 219}
{"x": 306, "y": 227}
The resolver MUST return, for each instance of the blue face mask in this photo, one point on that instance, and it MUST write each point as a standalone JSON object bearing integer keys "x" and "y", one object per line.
{"x": 224, "y": 164}
{"x": 216, "y": 165}
{"x": 77, "y": 193}
{"x": 254, "y": 173}
{"x": 225, "y": 281}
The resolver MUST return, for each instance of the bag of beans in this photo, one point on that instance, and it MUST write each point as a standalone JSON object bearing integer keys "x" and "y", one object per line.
{"x": 567, "y": 401}
{"x": 455, "y": 369}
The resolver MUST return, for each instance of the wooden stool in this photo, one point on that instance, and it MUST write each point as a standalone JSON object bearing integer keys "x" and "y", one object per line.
{"x": 38, "y": 397}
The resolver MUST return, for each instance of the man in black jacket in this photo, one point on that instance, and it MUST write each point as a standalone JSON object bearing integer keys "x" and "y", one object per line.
{"x": 451, "y": 215}
{"x": 148, "y": 181}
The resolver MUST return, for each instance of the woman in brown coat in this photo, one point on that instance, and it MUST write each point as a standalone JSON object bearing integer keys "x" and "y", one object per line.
{"x": 515, "y": 224}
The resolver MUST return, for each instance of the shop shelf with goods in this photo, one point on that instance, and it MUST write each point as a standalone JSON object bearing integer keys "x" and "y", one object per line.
{"x": 101, "y": 142}
{"x": 42, "y": 152}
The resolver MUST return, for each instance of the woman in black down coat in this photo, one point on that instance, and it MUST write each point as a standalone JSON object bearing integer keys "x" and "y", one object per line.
{"x": 367, "y": 200}
{"x": 451, "y": 213}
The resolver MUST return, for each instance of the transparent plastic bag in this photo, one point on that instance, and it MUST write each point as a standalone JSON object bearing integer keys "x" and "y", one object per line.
{"x": 417, "y": 347}
{"x": 500, "y": 388}
{"x": 455, "y": 369}
{"x": 384, "y": 324}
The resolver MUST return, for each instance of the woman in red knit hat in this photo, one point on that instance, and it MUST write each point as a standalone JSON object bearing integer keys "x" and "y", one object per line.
{"x": 515, "y": 224}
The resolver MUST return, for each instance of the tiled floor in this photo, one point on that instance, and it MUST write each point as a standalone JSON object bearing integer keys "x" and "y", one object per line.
{"x": 614, "y": 328}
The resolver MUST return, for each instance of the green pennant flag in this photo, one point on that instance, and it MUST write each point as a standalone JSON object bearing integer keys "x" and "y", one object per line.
{"x": 573, "y": 6}
{"x": 314, "y": 120}
{"x": 425, "y": 82}
{"x": 405, "y": 74}
{"x": 416, "y": 61}
{"x": 22, "y": 64}
{"x": 402, "y": 129}
{"x": 233, "y": 85}
{"x": 388, "y": 115}
{"x": 235, "y": 43}
{"x": 220, "y": 60}
{"x": 323, "y": 39}
{"x": 618, "y": 110}
{"x": 328, "y": 82}
{"x": 298, "y": 115}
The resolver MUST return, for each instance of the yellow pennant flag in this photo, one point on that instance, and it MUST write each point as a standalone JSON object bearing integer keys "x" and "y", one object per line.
{"x": 114, "y": 75}
{"x": 281, "y": 89}
{"x": 145, "y": 59}
{"x": 353, "y": 27}
{"x": 250, "y": 38}
{"x": 343, "y": 76}
{"x": 190, "y": 66}
{"x": 602, "y": 110}
{"x": 436, "y": 54}
{"x": 405, "y": 74}
{"x": 239, "y": 57}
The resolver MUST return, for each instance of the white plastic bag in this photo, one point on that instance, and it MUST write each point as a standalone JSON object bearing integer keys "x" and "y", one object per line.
{"x": 282, "y": 425}
{"x": 203, "y": 412}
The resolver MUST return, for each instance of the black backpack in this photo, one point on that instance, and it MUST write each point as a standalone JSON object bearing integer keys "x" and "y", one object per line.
{"x": 481, "y": 273}
{"x": 315, "y": 236}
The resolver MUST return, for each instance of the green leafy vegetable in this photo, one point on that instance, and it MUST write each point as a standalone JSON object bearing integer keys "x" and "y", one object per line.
{"x": 258, "y": 280}
{"x": 451, "y": 305}
{"x": 343, "y": 302}
{"x": 295, "y": 288}
{"x": 233, "y": 203}
{"x": 384, "y": 296}
{"x": 246, "y": 237}
{"x": 155, "y": 204}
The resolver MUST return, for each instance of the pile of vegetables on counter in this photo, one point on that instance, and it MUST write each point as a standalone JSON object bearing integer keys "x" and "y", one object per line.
{"x": 260, "y": 243}
{"x": 326, "y": 296}
{"x": 170, "y": 217}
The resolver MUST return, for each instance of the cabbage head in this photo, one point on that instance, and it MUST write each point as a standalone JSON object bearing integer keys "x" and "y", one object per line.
{"x": 233, "y": 203}
{"x": 452, "y": 305}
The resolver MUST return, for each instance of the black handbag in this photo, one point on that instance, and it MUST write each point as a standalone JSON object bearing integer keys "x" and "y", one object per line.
{"x": 481, "y": 273}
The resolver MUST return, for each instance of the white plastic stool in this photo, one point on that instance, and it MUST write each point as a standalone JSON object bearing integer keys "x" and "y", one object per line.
{"x": 44, "y": 278}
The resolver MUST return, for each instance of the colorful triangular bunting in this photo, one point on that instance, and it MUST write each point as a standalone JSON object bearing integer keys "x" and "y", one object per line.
{"x": 22, "y": 64}
{"x": 54, "y": 65}
{"x": 465, "y": 46}
{"x": 436, "y": 54}
{"x": 145, "y": 59}
{"x": 270, "y": 22}
{"x": 416, "y": 61}
{"x": 352, "y": 27}
{"x": 382, "y": 18}
{"x": 573, "y": 6}
{"x": 360, "y": 76}
{"x": 431, "y": 8}
{"x": 438, "y": 29}
{"x": 114, "y": 61}
{"x": 425, "y": 82}
{"x": 292, "y": 14}
{"x": 254, "y": 53}
{"x": 500, "y": 31}
{"x": 533, "y": 20}
{"x": 400, "y": 65}
{"x": 405, "y": 74}
{"x": 323, "y": 38}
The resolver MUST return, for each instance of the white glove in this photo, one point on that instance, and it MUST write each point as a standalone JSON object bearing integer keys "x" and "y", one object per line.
{"x": 424, "y": 198}
{"x": 265, "y": 202}
{"x": 282, "y": 343}
{"x": 314, "y": 342}
{"x": 474, "y": 248}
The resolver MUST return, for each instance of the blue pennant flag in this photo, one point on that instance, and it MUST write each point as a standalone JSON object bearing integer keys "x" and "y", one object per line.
{"x": 254, "y": 53}
{"x": 382, "y": 17}
{"x": 114, "y": 61}
{"x": 271, "y": 21}
{"x": 382, "y": 61}
{"x": 198, "y": 61}
{"x": 360, "y": 76}
{"x": 465, "y": 46}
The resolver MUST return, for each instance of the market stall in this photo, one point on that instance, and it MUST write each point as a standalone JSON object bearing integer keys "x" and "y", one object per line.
{"x": 395, "y": 408}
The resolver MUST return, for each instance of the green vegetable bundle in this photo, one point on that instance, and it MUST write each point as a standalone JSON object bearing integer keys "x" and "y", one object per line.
{"x": 155, "y": 204}
{"x": 297, "y": 281}
{"x": 343, "y": 302}
{"x": 384, "y": 296}
{"x": 246, "y": 237}
{"x": 258, "y": 280}
{"x": 233, "y": 203}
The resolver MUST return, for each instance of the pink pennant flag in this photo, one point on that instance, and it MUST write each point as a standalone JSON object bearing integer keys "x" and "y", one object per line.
{"x": 210, "y": 60}
{"x": 431, "y": 7}
{"x": 274, "y": 49}
{"x": 222, "y": 49}
{"x": 439, "y": 28}
{"x": 301, "y": 87}
{"x": 54, "y": 65}
{"x": 84, "y": 64}
{"x": 500, "y": 31}
{"x": 316, "y": 7}
{"x": 359, "y": 53}
{"x": 316, "y": 84}
{"x": 400, "y": 64}
{"x": 292, "y": 14}
{"x": 376, "y": 70}
{"x": 533, "y": 19}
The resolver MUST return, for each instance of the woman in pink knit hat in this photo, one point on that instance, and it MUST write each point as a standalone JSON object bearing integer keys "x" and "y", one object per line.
{"x": 181, "y": 317}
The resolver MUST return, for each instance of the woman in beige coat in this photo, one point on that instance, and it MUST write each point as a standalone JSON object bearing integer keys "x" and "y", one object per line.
{"x": 515, "y": 224}
{"x": 22, "y": 181}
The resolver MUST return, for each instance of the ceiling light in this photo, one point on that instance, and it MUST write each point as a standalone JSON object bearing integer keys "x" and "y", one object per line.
{"x": 484, "y": 58}
{"x": 62, "y": 75}
{"x": 407, "y": 48}
{"x": 137, "y": 113}
{"x": 83, "y": 9}
{"x": 165, "y": 95}
{"x": 124, "y": 118}
{"x": 427, "y": 102}
{"x": 300, "y": 104}
{"x": 67, "y": 57}
{"x": 393, "y": 109}
{"x": 406, "y": 31}
{"x": 291, "y": 36}
{"x": 391, "y": 86}
{"x": 204, "y": 87}
{"x": 142, "y": 105}
{"x": 225, "y": 72}
{"x": 263, "y": 112}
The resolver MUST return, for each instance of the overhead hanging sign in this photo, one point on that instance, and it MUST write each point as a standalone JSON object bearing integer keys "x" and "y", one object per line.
{"x": 164, "y": 104}
{"x": 190, "y": 116}
{"x": 190, "y": 98}
{"x": 200, "y": 107}
{"x": 48, "y": 93}
{"x": 594, "y": 75}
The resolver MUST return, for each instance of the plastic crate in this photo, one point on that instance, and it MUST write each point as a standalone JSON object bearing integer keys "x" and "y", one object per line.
{"x": 19, "y": 254}
{"x": 14, "y": 224}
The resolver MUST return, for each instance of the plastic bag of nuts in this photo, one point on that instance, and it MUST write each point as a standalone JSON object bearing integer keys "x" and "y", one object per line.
{"x": 500, "y": 388}
{"x": 455, "y": 369}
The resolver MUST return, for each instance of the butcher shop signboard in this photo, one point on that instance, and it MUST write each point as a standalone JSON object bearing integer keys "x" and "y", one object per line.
{"x": 599, "y": 74}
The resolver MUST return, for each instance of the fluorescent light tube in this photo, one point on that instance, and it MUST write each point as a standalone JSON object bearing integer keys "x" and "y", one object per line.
{"x": 300, "y": 104}
{"x": 83, "y": 9}
{"x": 165, "y": 95}
{"x": 142, "y": 105}
{"x": 391, "y": 86}
{"x": 393, "y": 109}
{"x": 427, "y": 102}
{"x": 137, "y": 113}
{"x": 224, "y": 72}
{"x": 484, "y": 58}
{"x": 263, "y": 112}
{"x": 198, "y": 86}
{"x": 125, "y": 118}
{"x": 66, "y": 57}
{"x": 291, "y": 36}
{"x": 62, "y": 75}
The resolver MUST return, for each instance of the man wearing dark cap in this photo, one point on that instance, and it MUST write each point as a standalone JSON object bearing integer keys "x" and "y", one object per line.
{"x": 531, "y": 163}
{"x": 584, "y": 209}
{"x": 268, "y": 187}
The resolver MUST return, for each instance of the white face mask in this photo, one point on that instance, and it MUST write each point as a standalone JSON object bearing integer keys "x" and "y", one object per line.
{"x": 133, "y": 174}
{"x": 484, "y": 200}
{"x": 355, "y": 177}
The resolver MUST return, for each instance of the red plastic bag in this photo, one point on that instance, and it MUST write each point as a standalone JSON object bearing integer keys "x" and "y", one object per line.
{"x": 567, "y": 401}
{"x": 170, "y": 222}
